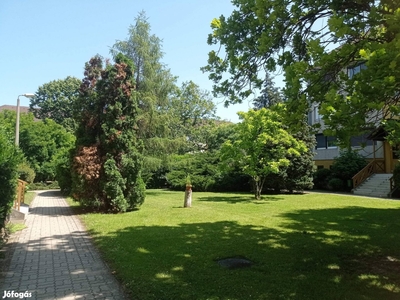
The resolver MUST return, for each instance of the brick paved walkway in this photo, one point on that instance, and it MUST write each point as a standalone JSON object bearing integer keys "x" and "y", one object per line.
{"x": 54, "y": 257}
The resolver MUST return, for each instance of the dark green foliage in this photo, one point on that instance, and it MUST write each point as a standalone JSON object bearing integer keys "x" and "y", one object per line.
{"x": 10, "y": 158}
{"x": 42, "y": 142}
{"x": 233, "y": 180}
{"x": 180, "y": 167}
{"x": 206, "y": 137}
{"x": 301, "y": 168}
{"x": 176, "y": 180}
{"x": 63, "y": 172}
{"x": 48, "y": 185}
{"x": 155, "y": 179}
{"x": 107, "y": 159}
{"x": 25, "y": 172}
{"x": 396, "y": 175}
{"x": 270, "y": 95}
{"x": 56, "y": 100}
{"x": 299, "y": 174}
{"x": 321, "y": 178}
{"x": 336, "y": 184}
{"x": 347, "y": 164}
{"x": 205, "y": 174}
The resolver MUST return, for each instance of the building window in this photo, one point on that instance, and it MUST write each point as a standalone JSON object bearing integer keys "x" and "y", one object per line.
{"x": 361, "y": 141}
{"x": 331, "y": 142}
{"x": 317, "y": 116}
{"x": 325, "y": 142}
{"x": 351, "y": 71}
{"x": 321, "y": 141}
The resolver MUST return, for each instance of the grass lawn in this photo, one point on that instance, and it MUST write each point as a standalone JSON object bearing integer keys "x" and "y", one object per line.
{"x": 29, "y": 196}
{"x": 311, "y": 246}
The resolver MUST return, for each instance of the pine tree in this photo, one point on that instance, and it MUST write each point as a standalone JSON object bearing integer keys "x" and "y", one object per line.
{"x": 270, "y": 95}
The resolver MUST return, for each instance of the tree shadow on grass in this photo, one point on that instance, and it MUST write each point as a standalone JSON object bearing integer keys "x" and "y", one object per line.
{"x": 344, "y": 253}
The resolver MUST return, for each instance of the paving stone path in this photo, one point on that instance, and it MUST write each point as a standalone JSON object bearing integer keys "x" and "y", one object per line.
{"x": 54, "y": 257}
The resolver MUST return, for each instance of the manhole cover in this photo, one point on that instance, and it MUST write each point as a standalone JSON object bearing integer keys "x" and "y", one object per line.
{"x": 234, "y": 262}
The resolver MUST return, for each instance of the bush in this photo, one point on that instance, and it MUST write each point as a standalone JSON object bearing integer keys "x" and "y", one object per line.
{"x": 26, "y": 173}
{"x": 336, "y": 184}
{"x": 201, "y": 167}
{"x": 63, "y": 174}
{"x": 10, "y": 158}
{"x": 49, "y": 185}
{"x": 348, "y": 164}
{"x": 321, "y": 178}
{"x": 396, "y": 175}
{"x": 205, "y": 174}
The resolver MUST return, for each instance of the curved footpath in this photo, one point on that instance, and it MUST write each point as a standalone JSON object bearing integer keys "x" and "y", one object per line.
{"x": 54, "y": 257}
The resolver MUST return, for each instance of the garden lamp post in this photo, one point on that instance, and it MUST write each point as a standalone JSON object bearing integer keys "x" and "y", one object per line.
{"x": 28, "y": 95}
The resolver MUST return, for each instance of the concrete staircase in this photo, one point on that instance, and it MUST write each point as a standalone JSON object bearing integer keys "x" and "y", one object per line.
{"x": 377, "y": 185}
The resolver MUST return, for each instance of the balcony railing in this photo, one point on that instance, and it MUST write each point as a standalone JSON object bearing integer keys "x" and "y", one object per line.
{"x": 375, "y": 166}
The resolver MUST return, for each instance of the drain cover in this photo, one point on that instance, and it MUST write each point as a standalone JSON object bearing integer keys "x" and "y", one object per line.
{"x": 234, "y": 262}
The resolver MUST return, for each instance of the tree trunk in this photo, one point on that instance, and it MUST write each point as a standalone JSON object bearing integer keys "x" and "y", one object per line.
{"x": 188, "y": 196}
{"x": 258, "y": 188}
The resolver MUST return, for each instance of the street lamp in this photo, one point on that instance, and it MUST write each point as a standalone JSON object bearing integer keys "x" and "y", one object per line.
{"x": 27, "y": 95}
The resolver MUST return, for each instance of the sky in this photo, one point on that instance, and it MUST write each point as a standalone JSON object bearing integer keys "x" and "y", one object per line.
{"x": 46, "y": 40}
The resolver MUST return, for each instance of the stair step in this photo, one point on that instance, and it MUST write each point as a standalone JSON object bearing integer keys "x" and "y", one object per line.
{"x": 377, "y": 185}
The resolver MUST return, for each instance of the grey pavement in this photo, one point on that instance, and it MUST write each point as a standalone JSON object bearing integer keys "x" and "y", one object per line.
{"x": 54, "y": 257}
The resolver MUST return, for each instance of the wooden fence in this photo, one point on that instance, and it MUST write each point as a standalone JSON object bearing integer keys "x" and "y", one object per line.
{"x": 375, "y": 166}
{"x": 20, "y": 194}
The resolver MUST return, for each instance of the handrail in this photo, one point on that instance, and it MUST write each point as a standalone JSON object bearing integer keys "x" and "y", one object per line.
{"x": 374, "y": 166}
{"x": 392, "y": 187}
{"x": 20, "y": 194}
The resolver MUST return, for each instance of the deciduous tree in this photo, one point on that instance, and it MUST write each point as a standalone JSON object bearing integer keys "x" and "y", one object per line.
{"x": 261, "y": 145}
{"x": 314, "y": 43}
{"x": 154, "y": 81}
{"x": 56, "y": 100}
{"x": 42, "y": 142}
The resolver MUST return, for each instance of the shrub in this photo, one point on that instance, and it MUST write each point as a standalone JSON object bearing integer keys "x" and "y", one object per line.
{"x": 10, "y": 158}
{"x": 396, "y": 175}
{"x": 336, "y": 184}
{"x": 25, "y": 172}
{"x": 176, "y": 180}
{"x": 347, "y": 164}
{"x": 321, "y": 178}
{"x": 49, "y": 185}
{"x": 63, "y": 174}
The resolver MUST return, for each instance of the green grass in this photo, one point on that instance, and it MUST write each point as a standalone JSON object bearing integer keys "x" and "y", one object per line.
{"x": 312, "y": 246}
{"x": 29, "y": 196}
{"x": 13, "y": 228}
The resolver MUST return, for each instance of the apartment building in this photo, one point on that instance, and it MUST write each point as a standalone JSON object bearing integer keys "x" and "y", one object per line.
{"x": 371, "y": 145}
